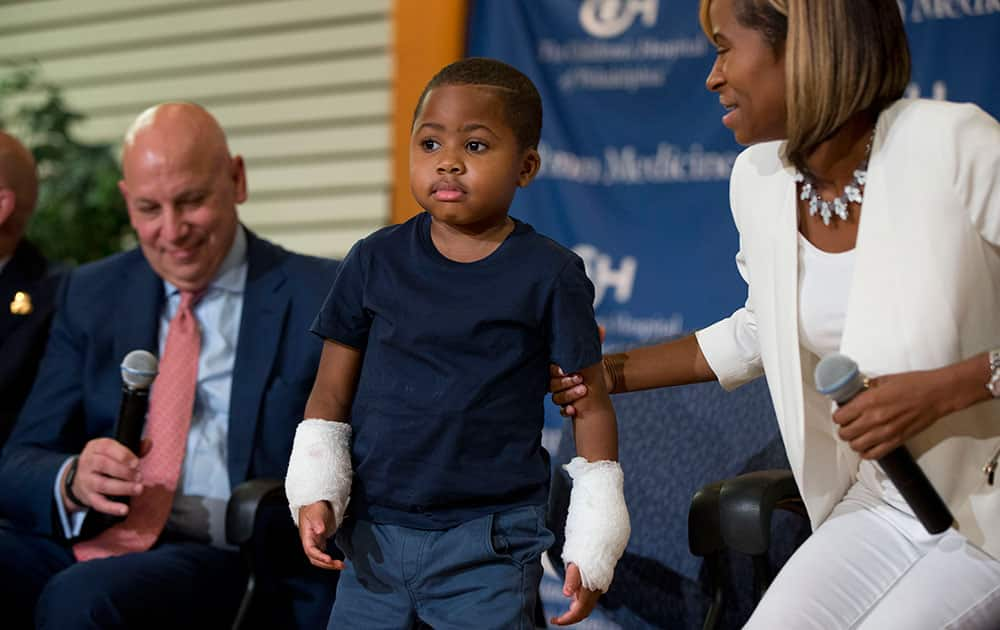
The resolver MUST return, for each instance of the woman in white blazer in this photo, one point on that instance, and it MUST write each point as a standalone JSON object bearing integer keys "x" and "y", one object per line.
{"x": 869, "y": 225}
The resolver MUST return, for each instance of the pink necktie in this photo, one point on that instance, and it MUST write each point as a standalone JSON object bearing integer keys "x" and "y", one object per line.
{"x": 171, "y": 404}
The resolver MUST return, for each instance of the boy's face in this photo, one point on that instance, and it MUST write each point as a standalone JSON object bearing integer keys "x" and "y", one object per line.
{"x": 465, "y": 163}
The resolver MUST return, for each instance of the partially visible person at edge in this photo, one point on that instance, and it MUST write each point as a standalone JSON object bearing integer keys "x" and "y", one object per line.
{"x": 905, "y": 283}
{"x": 28, "y": 283}
{"x": 219, "y": 407}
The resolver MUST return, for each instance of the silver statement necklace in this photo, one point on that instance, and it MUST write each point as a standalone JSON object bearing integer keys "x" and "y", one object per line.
{"x": 852, "y": 192}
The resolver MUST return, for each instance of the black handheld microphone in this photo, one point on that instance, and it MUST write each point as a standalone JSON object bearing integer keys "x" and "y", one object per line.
{"x": 838, "y": 377}
{"x": 139, "y": 368}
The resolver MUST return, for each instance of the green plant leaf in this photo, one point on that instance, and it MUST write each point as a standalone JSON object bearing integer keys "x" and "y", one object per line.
{"x": 80, "y": 215}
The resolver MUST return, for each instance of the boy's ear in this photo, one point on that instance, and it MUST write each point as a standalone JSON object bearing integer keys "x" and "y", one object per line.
{"x": 530, "y": 164}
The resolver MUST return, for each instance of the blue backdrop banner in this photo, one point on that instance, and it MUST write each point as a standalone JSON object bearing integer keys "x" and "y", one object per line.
{"x": 635, "y": 160}
{"x": 635, "y": 169}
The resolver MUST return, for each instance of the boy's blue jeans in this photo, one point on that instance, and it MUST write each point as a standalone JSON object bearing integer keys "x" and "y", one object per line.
{"x": 481, "y": 574}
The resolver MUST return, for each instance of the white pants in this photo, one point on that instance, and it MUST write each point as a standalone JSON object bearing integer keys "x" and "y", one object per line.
{"x": 872, "y": 566}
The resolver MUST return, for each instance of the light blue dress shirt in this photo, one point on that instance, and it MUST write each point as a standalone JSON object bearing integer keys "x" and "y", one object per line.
{"x": 199, "y": 508}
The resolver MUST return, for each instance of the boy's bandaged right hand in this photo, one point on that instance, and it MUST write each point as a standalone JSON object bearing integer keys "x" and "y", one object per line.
{"x": 320, "y": 468}
{"x": 316, "y": 524}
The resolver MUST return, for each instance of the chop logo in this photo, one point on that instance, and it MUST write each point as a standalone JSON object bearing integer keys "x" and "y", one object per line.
{"x": 605, "y": 276}
{"x": 610, "y": 18}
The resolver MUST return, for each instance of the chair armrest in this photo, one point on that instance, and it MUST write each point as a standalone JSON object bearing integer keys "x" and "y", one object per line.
{"x": 747, "y": 504}
{"x": 704, "y": 533}
{"x": 243, "y": 506}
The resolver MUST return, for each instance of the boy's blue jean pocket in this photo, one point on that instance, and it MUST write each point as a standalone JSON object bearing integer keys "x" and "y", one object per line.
{"x": 518, "y": 535}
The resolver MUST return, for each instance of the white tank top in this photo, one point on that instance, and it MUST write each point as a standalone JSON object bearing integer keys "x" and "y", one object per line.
{"x": 824, "y": 284}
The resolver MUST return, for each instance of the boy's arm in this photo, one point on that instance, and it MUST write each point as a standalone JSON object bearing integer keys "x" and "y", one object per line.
{"x": 594, "y": 427}
{"x": 318, "y": 483}
{"x": 595, "y": 431}
{"x": 335, "y": 384}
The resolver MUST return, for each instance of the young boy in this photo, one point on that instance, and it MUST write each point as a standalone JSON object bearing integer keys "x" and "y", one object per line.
{"x": 439, "y": 333}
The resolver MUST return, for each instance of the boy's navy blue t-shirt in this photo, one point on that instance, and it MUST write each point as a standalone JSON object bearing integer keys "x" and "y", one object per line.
{"x": 449, "y": 407}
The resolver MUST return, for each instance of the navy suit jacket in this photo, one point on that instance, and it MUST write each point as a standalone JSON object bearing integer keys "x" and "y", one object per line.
{"x": 23, "y": 336}
{"x": 112, "y": 307}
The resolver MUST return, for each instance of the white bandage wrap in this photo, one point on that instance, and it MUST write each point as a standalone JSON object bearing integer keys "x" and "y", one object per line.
{"x": 320, "y": 467}
{"x": 597, "y": 525}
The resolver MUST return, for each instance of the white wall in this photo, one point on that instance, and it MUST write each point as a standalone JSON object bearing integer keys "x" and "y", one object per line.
{"x": 302, "y": 87}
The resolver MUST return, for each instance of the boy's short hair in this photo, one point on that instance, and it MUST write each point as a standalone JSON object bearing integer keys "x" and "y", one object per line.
{"x": 522, "y": 103}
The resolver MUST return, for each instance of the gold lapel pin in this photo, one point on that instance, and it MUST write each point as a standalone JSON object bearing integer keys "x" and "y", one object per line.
{"x": 21, "y": 304}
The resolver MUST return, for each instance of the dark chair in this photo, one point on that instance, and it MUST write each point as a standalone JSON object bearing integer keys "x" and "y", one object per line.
{"x": 283, "y": 590}
{"x": 739, "y": 514}
{"x": 671, "y": 441}
{"x": 705, "y": 541}
{"x": 241, "y": 522}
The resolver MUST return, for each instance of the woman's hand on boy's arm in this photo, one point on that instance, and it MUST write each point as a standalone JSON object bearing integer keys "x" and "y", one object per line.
{"x": 316, "y": 525}
{"x": 582, "y": 600}
{"x": 566, "y": 389}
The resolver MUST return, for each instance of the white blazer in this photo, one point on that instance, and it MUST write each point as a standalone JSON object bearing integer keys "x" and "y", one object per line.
{"x": 925, "y": 293}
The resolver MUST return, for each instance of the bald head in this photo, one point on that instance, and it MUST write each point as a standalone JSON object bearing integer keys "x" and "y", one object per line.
{"x": 181, "y": 186}
{"x": 18, "y": 187}
{"x": 181, "y": 130}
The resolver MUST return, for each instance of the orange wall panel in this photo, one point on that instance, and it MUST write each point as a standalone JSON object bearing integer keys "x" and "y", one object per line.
{"x": 428, "y": 34}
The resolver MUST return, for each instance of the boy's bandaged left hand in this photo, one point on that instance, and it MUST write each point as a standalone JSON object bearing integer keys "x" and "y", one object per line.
{"x": 597, "y": 525}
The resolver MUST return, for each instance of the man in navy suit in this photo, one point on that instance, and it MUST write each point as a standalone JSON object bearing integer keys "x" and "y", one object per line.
{"x": 27, "y": 288}
{"x": 255, "y": 369}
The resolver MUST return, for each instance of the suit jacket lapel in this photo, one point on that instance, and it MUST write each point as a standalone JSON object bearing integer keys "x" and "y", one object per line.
{"x": 139, "y": 306}
{"x": 265, "y": 304}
